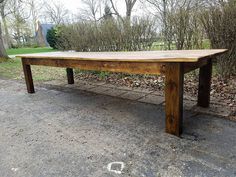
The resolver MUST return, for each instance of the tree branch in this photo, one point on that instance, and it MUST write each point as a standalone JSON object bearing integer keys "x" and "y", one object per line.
{"x": 116, "y": 12}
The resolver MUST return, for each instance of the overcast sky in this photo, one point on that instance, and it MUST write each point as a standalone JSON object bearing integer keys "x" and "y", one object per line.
{"x": 72, "y": 5}
{"x": 75, "y": 5}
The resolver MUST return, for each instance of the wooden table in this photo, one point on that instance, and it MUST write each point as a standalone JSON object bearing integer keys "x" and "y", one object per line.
{"x": 173, "y": 64}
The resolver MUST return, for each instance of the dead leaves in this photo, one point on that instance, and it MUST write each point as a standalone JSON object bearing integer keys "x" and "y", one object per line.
{"x": 222, "y": 91}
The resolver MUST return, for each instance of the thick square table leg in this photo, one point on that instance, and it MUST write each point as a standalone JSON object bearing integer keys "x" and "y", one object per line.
{"x": 28, "y": 77}
{"x": 70, "y": 75}
{"x": 204, "y": 87}
{"x": 174, "y": 98}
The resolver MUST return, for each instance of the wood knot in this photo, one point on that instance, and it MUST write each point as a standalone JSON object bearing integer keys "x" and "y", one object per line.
{"x": 163, "y": 68}
{"x": 171, "y": 119}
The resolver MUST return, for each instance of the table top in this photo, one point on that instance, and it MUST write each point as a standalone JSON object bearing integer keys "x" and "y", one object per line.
{"x": 140, "y": 56}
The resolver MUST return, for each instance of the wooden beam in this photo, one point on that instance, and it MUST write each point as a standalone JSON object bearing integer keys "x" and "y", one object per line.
{"x": 204, "y": 86}
{"x": 124, "y": 67}
{"x": 188, "y": 67}
{"x": 70, "y": 75}
{"x": 174, "y": 98}
{"x": 28, "y": 77}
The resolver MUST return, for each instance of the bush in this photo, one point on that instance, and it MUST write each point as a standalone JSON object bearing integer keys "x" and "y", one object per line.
{"x": 52, "y": 38}
{"x": 108, "y": 35}
{"x": 220, "y": 25}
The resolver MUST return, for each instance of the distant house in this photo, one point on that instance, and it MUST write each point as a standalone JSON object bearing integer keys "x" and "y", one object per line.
{"x": 41, "y": 32}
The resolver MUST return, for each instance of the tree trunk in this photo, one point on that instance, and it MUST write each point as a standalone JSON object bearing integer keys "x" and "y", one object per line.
{"x": 129, "y": 7}
{"x": 8, "y": 40}
{"x": 3, "y": 53}
{"x": 167, "y": 43}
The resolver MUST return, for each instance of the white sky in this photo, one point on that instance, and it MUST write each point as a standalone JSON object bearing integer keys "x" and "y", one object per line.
{"x": 74, "y": 6}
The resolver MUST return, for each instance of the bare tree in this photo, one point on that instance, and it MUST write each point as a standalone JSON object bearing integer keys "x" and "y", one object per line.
{"x": 5, "y": 11}
{"x": 18, "y": 21}
{"x": 35, "y": 7}
{"x": 91, "y": 10}
{"x": 129, "y": 8}
{"x": 96, "y": 10}
{"x": 3, "y": 53}
{"x": 56, "y": 12}
{"x": 220, "y": 23}
{"x": 161, "y": 10}
{"x": 175, "y": 17}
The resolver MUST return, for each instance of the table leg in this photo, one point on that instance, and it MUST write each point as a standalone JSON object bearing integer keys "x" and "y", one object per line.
{"x": 28, "y": 77}
{"x": 70, "y": 75}
{"x": 174, "y": 98}
{"x": 204, "y": 87}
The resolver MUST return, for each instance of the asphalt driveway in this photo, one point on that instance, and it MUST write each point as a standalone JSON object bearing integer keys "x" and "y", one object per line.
{"x": 68, "y": 132}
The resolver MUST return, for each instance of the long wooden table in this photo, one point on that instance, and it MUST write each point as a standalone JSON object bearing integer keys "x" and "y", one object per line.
{"x": 173, "y": 64}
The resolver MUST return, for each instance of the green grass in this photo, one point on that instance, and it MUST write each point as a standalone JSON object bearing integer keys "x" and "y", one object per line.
{"x": 29, "y": 50}
{"x": 12, "y": 69}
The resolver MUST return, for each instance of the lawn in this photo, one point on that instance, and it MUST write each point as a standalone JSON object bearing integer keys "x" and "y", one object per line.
{"x": 12, "y": 69}
{"x": 29, "y": 50}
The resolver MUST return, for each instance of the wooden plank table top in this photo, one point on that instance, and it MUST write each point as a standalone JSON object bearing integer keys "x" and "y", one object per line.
{"x": 140, "y": 56}
{"x": 173, "y": 64}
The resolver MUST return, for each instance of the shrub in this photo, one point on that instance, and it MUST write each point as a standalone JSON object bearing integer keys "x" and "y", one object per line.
{"x": 220, "y": 25}
{"x": 108, "y": 35}
{"x": 52, "y": 37}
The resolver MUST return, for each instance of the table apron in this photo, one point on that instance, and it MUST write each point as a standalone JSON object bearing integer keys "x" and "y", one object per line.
{"x": 121, "y": 66}
{"x": 188, "y": 67}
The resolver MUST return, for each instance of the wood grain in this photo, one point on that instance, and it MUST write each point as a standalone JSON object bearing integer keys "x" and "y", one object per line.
{"x": 125, "y": 67}
{"x": 141, "y": 56}
{"x": 188, "y": 67}
{"x": 204, "y": 87}
{"x": 174, "y": 98}
{"x": 28, "y": 77}
{"x": 70, "y": 75}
